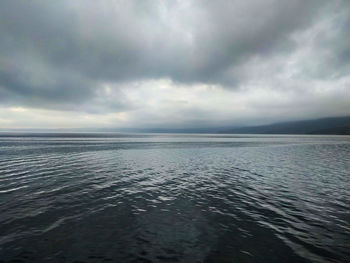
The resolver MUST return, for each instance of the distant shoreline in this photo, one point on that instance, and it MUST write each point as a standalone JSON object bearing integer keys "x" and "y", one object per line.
{"x": 324, "y": 126}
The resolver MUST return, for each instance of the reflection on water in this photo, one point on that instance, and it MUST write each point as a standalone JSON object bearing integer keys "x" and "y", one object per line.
{"x": 174, "y": 198}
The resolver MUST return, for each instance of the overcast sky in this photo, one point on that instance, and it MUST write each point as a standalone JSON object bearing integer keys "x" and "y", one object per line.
{"x": 167, "y": 63}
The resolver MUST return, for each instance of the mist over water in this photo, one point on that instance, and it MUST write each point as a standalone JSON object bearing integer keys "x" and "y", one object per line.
{"x": 174, "y": 198}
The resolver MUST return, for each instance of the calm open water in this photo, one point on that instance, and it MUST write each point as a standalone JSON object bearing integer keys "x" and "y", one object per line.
{"x": 174, "y": 198}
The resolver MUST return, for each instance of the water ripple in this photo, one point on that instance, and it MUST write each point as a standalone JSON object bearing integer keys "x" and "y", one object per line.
{"x": 194, "y": 198}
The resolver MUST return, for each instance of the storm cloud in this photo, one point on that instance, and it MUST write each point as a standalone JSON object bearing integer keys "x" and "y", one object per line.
{"x": 173, "y": 63}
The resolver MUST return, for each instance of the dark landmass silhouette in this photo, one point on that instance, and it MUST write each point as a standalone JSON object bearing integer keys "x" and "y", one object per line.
{"x": 332, "y": 125}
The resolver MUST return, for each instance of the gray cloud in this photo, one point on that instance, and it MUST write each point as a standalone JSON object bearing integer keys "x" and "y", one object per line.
{"x": 61, "y": 54}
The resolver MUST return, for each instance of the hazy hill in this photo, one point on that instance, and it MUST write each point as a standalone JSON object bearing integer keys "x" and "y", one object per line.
{"x": 336, "y": 125}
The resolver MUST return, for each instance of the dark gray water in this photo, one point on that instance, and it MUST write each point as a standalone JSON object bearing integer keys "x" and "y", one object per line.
{"x": 174, "y": 198}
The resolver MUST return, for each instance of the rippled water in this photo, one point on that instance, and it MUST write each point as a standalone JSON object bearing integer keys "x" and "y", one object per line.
{"x": 174, "y": 198}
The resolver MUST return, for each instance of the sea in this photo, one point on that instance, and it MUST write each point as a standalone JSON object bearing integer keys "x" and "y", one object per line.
{"x": 112, "y": 197}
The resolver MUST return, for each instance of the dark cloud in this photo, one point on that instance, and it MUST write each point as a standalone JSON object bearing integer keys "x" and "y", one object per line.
{"x": 60, "y": 54}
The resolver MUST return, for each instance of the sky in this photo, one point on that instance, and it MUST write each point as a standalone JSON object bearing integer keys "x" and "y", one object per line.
{"x": 172, "y": 64}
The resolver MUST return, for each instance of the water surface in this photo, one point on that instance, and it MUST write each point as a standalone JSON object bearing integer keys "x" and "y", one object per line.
{"x": 174, "y": 198}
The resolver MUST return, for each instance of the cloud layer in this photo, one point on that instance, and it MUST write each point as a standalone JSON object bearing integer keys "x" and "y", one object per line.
{"x": 159, "y": 63}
